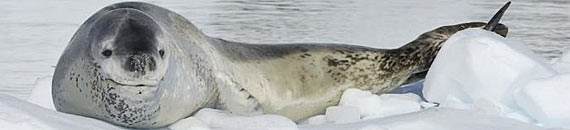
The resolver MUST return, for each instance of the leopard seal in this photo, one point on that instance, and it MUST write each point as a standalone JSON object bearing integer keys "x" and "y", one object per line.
{"x": 139, "y": 65}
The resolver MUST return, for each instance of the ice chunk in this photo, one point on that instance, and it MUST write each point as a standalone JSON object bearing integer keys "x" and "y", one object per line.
{"x": 475, "y": 65}
{"x": 218, "y": 119}
{"x": 374, "y": 106}
{"x": 41, "y": 94}
{"x": 544, "y": 100}
{"x": 342, "y": 114}
{"x": 395, "y": 104}
{"x": 366, "y": 102}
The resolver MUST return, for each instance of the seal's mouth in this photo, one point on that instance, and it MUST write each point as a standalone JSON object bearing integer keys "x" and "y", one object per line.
{"x": 133, "y": 84}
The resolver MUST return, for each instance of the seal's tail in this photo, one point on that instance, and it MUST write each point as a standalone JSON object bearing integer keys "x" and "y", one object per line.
{"x": 492, "y": 24}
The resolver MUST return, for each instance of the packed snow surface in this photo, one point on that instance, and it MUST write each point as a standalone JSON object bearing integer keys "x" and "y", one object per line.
{"x": 478, "y": 81}
{"x": 220, "y": 120}
{"x": 19, "y": 114}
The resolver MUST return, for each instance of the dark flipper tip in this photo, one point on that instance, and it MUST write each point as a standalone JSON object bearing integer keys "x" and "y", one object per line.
{"x": 492, "y": 24}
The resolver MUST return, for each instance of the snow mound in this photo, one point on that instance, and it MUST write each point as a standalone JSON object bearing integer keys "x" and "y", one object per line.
{"x": 544, "y": 100}
{"x": 16, "y": 114}
{"x": 482, "y": 69}
{"x": 41, "y": 94}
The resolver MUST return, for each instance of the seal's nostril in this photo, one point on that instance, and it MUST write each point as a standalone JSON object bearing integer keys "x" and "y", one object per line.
{"x": 161, "y": 52}
{"x": 140, "y": 63}
{"x": 135, "y": 64}
{"x": 151, "y": 64}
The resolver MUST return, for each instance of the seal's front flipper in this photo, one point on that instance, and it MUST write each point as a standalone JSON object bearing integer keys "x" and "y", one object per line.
{"x": 493, "y": 24}
{"x": 236, "y": 99}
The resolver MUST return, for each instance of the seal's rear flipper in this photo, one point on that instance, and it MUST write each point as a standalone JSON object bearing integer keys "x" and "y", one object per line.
{"x": 492, "y": 24}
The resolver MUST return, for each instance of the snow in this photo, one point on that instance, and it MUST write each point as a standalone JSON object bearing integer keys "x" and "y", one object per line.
{"x": 221, "y": 120}
{"x": 433, "y": 119}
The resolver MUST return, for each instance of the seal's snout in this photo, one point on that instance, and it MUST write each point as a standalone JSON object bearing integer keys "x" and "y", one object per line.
{"x": 140, "y": 64}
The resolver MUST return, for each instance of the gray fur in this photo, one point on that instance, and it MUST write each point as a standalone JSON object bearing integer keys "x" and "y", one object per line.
{"x": 294, "y": 80}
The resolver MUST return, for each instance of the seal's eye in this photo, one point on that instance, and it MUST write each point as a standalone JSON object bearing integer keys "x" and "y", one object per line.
{"x": 107, "y": 53}
{"x": 161, "y": 52}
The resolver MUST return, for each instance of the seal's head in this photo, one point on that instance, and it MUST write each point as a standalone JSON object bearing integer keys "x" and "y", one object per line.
{"x": 129, "y": 49}
{"x": 136, "y": 65}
